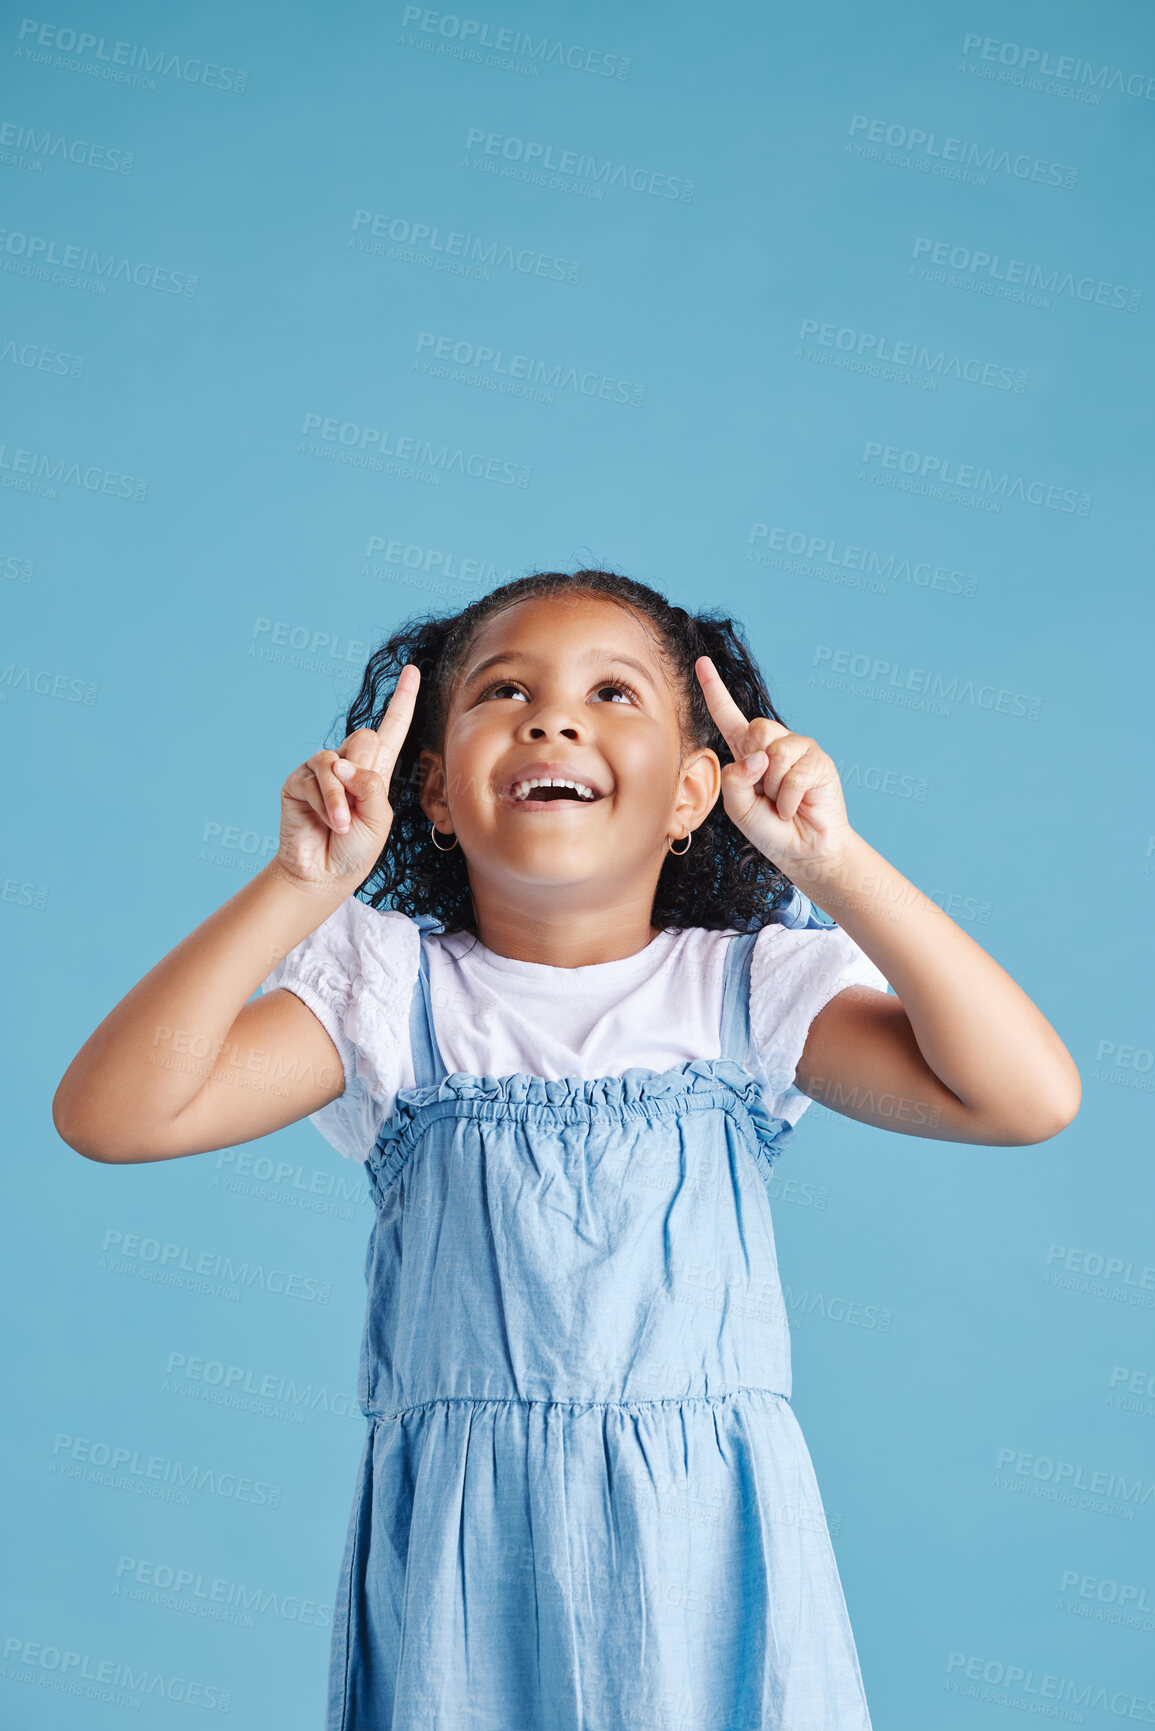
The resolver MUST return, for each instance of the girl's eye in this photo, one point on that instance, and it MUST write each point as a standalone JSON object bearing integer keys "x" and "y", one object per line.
{"x": 620, "y": 686}
{"x": 507, "y": 685}
{"x": 502, "y": 685}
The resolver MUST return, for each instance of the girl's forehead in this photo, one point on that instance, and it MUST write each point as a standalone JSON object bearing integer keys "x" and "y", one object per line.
{"x": 561, "y": 624}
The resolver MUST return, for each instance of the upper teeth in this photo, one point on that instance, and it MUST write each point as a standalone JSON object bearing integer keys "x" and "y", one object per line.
{"x": 521, "y": 788}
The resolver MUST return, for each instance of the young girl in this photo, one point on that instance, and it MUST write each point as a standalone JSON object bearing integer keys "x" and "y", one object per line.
{"x": 567, "y": 1008}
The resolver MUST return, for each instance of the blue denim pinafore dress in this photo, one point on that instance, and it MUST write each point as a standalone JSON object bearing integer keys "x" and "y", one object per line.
{"x": 584, "y": 1501}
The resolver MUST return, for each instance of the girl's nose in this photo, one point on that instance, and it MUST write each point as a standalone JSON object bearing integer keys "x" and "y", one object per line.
{"x": 538, "y": 730}
{"x": 549, "y": 720}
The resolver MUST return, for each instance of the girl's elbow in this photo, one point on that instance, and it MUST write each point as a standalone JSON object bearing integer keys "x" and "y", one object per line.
{"x": 74, "y": 1127}
{"x": 1069, "y": 1099}
{"x": 68, "y": 1122}
{"x": 1051, "y": 1117}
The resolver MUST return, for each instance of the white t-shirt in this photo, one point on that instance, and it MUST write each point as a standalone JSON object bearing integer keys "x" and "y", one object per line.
{"x": 494, "y": 1016}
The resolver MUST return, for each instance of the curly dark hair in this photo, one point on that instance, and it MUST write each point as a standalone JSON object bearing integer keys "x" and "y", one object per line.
{"x": 723, "y": 883}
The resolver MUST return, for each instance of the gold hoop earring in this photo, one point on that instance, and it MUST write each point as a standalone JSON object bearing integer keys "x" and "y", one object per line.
{"x": 689, "y": 837}
{"x": 433, "y": 832}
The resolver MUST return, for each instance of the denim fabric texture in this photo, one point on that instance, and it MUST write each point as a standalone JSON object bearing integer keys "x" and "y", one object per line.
{"x": 584, "y": 1500}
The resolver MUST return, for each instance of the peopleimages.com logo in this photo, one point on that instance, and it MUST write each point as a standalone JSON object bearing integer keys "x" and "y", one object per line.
{"x": 32, "y": 254}
{"x": 957, "y": 158}
{"x": 117, "y": 1682}
{"x": 1029, "y": 1690}
{"x": 123, "y": 62}
{"x": 813, "y": 552}
{"x": 43, "y": 473}
{"x": 465, "y": 38}
{"x": 889, "y": 681}
{"x": 221, "y": 1599}
{"x": 1019, "y": 272}
{"x": 580, "y": 167}
{"x": 1066, "y": 66}
{"x": 36, "y": 148}
{"x": 427, "y": 243}
{"x": 509, "y": 372}
{"x": 921, "y": 358}
{"x": 973, "y": 477}
{"x": 367, "y": 447}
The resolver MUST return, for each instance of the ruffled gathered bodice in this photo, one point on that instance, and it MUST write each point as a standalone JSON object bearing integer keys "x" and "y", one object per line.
{"x": 576, "y": 1240}
{"x": 699, "y": 1084}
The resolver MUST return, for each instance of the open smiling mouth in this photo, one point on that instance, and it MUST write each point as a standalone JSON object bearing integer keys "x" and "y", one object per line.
{"x": 544, "y": 793}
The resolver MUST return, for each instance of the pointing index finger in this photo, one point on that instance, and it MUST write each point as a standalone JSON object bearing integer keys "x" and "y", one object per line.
{"x": 732, "y": 724}
{"x": 394, "y": 724}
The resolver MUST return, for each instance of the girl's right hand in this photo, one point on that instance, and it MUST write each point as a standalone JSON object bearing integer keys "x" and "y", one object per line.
{"x": 335, "y": 810}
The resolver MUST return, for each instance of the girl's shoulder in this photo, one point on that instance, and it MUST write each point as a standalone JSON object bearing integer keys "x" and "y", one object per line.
{"x": 356, "y": 972}
{"x": 798, "y": 965}
{"x": 780, "y": 934}
{"x": 374, "y": 948}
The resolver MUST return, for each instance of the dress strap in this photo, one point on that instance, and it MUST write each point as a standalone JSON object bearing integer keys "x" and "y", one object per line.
{"x": 798, "y": 911}
{"x": 736, "y": 997}
{"x": 428, "y": 1067}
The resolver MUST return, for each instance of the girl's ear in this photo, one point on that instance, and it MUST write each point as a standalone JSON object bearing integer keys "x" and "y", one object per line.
{"x": 700, "y": 787}
{"x": 431, "y": 771}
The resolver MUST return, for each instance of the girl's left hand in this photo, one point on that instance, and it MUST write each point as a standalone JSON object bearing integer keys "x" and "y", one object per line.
{"x": 782, "y": 790}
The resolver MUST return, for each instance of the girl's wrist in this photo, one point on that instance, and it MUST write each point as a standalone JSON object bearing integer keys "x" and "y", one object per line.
{"x": 332, "y": 891}
{"x": 835, "y": 877}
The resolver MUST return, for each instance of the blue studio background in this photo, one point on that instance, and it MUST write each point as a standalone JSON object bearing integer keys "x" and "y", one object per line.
{"x": 837, "y": 316}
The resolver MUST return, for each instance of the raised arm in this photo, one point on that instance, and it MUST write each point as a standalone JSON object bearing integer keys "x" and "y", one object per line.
{"x": 185, "y": 1063}
{"x": 960, "y": 1053}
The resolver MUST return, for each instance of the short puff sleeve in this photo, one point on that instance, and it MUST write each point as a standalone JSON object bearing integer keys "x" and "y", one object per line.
{"x": 794, "y": 973}
{"x": 356, "y": 973}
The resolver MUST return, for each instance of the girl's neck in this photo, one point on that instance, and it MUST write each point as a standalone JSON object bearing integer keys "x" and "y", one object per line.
{"x": 576, "y": 938}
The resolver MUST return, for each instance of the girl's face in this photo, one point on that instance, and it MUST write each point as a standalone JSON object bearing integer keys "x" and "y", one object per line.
{"x": 568, "y": 687}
